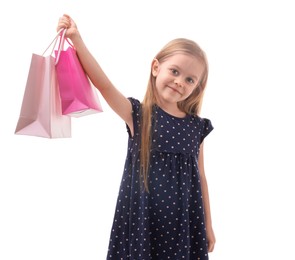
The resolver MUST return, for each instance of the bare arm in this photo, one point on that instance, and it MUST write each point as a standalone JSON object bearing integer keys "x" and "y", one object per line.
{"x": 119, "y": 103}
{"x": 206, "y": 201}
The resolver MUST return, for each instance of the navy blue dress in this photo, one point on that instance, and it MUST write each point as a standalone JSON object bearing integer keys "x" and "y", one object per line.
{"x": 168, "y": 222}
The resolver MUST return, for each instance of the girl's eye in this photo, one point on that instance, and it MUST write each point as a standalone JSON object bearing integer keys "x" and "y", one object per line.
{"x": 174, "y": 72}
{"x": 190, "y": 81}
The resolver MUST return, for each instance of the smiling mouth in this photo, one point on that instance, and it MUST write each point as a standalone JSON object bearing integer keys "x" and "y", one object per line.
{"x": 175, "y": 90}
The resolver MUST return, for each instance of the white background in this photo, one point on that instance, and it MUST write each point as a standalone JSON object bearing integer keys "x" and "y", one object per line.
{"x": 57, "y": 196}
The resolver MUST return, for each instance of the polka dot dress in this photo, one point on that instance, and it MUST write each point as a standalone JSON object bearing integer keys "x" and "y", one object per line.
{"x": 168, "y": 221}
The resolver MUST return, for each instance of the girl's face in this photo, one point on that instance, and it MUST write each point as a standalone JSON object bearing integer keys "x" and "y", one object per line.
{"x": 176, "y": 77}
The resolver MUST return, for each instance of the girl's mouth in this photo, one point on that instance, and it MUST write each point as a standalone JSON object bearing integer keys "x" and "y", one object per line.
{"x": 175, "y": 90}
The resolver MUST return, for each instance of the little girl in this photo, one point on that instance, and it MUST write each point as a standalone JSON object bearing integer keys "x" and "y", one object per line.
{"x": 163, "y": 209}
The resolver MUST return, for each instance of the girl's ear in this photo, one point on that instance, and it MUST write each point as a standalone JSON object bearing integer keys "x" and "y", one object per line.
{"x": 155, "y": 67}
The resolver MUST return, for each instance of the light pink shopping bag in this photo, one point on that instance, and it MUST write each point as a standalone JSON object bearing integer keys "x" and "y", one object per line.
{"x": 41, "y": 113}
{"x": 78, "y": 96}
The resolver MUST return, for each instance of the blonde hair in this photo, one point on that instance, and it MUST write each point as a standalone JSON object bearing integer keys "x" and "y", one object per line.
{"x": 191, "y": 105}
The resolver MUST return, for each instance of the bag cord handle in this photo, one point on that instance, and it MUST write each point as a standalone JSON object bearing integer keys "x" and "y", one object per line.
{"x": 61, "y": 33}
{"x": 53, "y": 41}
{"x": 61, "y": 44}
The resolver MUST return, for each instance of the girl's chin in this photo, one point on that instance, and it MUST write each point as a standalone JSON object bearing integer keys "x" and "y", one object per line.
{"x": 169, "y": 99}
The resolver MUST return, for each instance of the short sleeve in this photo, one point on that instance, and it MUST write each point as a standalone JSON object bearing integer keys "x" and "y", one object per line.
{"x": 207, "y": 127}
{"x": 136, "y": 110}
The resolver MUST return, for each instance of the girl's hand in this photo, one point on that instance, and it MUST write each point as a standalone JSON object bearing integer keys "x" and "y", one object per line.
{"x": 67, "y": 22}
{"x": 210, "y": 239}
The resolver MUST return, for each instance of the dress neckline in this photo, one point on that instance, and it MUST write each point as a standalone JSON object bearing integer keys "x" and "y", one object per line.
{"x": 170, "y": 115}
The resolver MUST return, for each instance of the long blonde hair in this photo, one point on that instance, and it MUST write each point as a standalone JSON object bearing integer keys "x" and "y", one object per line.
{"x": 190, "y": 105}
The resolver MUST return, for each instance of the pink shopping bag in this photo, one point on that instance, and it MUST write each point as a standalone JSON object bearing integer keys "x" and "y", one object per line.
{"x": 41, "y": 113}
{"x": 78, "y": 96}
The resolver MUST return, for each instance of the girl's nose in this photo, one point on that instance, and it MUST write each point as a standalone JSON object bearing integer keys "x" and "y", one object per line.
{"x": 178, "y": 82}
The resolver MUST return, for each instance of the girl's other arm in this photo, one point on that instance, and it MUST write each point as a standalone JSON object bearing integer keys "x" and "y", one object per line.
{"x": 119, "y": 103}
{"x": 206, "y": 201}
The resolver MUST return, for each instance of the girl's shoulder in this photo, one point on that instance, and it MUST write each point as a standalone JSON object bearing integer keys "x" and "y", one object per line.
{"x": 135, "y": 103}
{"x": 203, "y": 124}
{"x": 200, "y": 119}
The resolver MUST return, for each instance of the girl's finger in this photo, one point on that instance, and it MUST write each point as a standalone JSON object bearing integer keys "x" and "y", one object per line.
{"x": 210, "y": 247}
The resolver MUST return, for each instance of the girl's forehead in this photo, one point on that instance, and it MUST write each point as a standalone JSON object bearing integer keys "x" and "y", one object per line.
{"x": 186, "y": 62}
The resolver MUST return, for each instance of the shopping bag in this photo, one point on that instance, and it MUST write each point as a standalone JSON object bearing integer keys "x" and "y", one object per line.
{"x": 78, "y": 96}
{"x": 41, "y": 113}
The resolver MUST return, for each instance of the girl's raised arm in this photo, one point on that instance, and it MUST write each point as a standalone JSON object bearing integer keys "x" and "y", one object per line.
{"x": 119, "y": 103}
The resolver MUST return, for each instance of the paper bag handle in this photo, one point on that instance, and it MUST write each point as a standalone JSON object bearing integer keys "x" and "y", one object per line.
{"x": 53, "y": 41}
{"x": 61, "y": 44}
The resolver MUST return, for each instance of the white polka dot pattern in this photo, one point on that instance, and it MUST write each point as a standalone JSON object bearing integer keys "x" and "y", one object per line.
{"x": 168, "y": 222}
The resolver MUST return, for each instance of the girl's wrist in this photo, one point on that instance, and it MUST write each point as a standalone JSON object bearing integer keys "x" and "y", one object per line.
{"x": 75, "y": 37}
